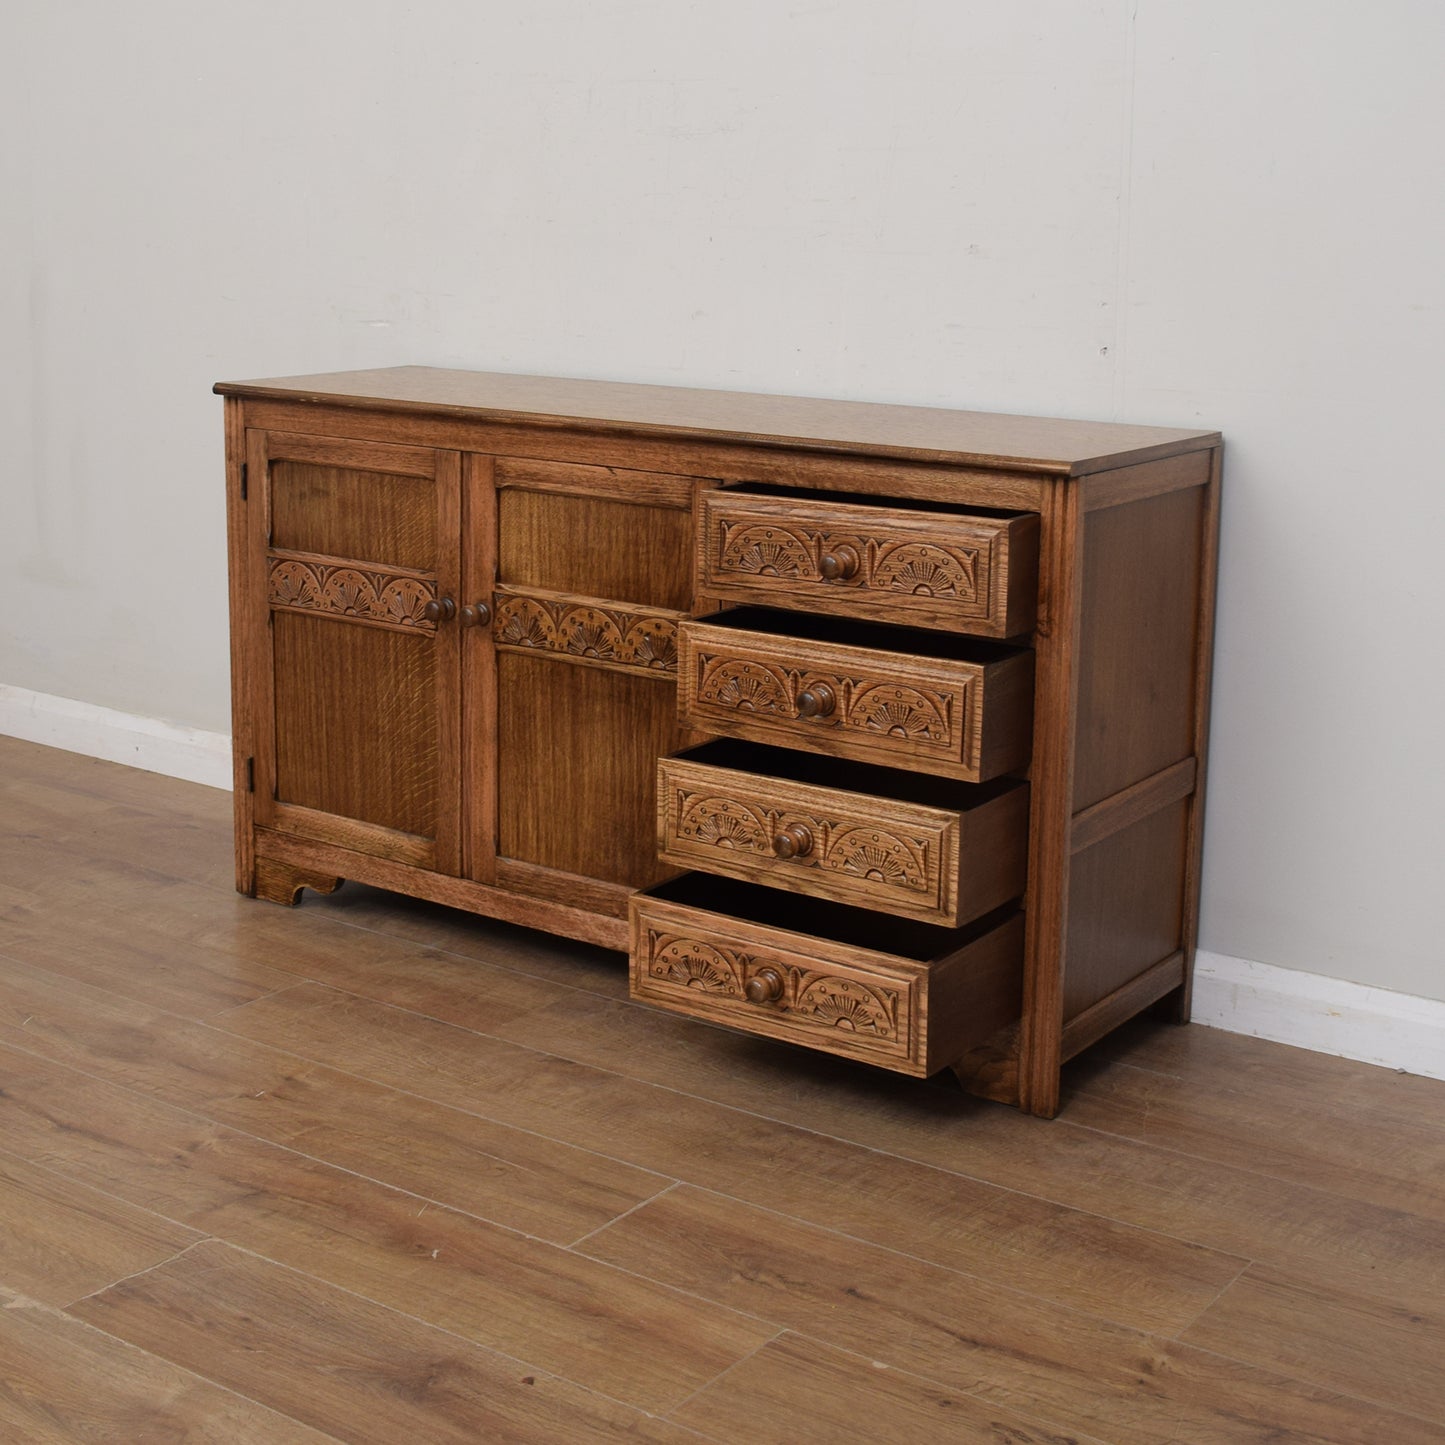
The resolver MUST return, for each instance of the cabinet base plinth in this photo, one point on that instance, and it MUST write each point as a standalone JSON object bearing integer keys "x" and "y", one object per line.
{"x": 279, "y": 882}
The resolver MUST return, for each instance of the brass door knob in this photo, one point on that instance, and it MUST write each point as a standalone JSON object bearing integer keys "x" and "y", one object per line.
{"x": 794, "y": 841}
{"x": 840, "y": 564}
{"x": 441, "y": 610}
{"x": 765, "y": 986}
{"x": 817, "y": 700}
{"x": 476, "y": 614}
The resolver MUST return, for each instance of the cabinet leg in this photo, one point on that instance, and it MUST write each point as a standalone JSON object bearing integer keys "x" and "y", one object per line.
{"x": 283, "y": 882}
{"x": 992, "y": 1069}
{"x": 1173, "y": 1008}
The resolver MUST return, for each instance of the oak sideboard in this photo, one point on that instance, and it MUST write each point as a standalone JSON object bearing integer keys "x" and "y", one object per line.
{"x": 876, "y": 729}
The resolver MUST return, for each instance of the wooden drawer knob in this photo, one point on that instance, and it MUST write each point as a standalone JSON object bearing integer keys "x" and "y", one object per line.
{"x": 441, "y": 610}
{"x": 794, "y": 841}
{"x": 476, "y": 614}
{"x": 840, "y": 564}
{"x": 817, "y": 700}
{"x": 765, "y": 986}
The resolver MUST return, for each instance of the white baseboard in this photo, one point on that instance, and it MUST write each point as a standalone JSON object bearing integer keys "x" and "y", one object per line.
{"x": 1328, "y": 1015}
{"x": 119, "y": 737}
{"x": 1308, "y": 1010}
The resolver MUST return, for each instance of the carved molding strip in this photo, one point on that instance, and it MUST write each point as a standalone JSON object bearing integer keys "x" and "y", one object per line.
{"x": 362, "y": 592}
{"x": 908, "y": 568}
{"x": 867, "y": 852}
{"x": 886, "y": 709}
{"x": 812, "y": 997}
{"x": 612, "y": 635}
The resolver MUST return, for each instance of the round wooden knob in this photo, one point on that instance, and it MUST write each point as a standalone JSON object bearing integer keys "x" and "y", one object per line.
{"x": 765, "y": 986}
{"x": 817, "y": 700}
{"x": 794, "y": 841}
{"x": 840, "y": 564}
{"x": 441, "y": 610}
{"x": 476, "y": 614}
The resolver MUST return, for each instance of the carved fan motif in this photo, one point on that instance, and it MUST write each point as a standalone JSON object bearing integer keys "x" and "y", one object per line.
{"x": 403, "y": 600}
{"x": 605, "y": 634}
{"x": 653, "y": 643}
{"x": 589, "y": 633}
{"x": 767, "y": 552}
{"x": 293, "y": 584}
{"x": 521, "y": 622}
{"x": 691, "y": 964}
{"x": 723, "y": 823}
{"x": 744, "y": 686}
{"x": 927, "y": 571}
{"x": 349, "y": 592}
{"x": 900, "y": 712}
{"x": 842, "y": 1004}
{"x": 877, "y": 856}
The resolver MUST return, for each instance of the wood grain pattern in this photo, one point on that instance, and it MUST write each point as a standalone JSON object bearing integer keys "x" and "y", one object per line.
{"x": 1138, "y": 621}
{"x": 598, "y": 546}
{"x": 63, "y": 1240}
{"x": 942, "y": 865}
{"x": 806, "y": 467}
{"x": 1000, "y": 1346}
{"x": 533, "y": 911}
{"x": 1051, "y": 808}
{"x": 793, "y": 1389}
{"x": 906, "y": 1254}
{"x": 359, "y": 511}
{"x": 1008, "y": 442}
{"x": 67, "y": 1382}
{"x": 925, "y": 569}
{"x": 1377, "y": 1350}
{"x": 577, "y": 757}
{"x": 342, "y": 1364}
{"x": 618, "y": 484}
{"x": 1125, "y": 907}
{"x": 1133, "y": 1276}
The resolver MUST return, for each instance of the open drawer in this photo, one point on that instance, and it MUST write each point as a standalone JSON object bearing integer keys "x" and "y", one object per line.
{"x": 932, "y": 702}
{"x": 936, "y": 850}
{"x": 915, "y": 564}
{"x": 905, "y": 996}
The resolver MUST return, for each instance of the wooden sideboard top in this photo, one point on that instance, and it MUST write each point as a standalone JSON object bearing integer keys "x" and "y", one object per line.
{"x": 913, "y": 433}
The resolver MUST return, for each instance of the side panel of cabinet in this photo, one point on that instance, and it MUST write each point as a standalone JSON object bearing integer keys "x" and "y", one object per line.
{"x": 356, "y": 689}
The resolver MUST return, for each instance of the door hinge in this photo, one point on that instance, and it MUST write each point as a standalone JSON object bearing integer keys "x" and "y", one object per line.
{"x": 244, "y": 481}
{"x": 250, "y": 775}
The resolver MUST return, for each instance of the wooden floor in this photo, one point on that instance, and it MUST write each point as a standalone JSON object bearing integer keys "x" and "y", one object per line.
{"x": 369, "y": 1170}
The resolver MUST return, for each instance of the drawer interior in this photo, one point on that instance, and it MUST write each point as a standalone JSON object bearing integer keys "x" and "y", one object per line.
{"x": 820, "y": 770}
{"x": 871, "y": 636}
{"x": 865, "y": 499}
{"x": 818, "y": 919}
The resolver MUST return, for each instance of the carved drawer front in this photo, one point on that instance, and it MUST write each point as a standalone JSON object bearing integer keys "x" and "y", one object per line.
{"x": 906, "y": 996}
{"x": 975, "y": 574}
{"x": 904, "y": 699}
{"x": 939, "y": 851}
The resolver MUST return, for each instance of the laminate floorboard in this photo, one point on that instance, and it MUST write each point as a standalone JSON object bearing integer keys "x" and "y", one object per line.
{"x": 372, "y": 1169}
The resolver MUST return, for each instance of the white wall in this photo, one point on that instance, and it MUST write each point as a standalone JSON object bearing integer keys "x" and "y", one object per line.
{"x": 1225, "y": 213}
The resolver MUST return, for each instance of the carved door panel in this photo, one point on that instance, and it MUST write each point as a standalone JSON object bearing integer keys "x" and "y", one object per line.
{"x": 593, "y": 572}
{"x": 357, "y": 558}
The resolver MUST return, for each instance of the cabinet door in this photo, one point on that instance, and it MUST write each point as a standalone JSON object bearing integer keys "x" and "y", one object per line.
{"x": 355, "y": 557}
{"x": 594, "y": 572}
